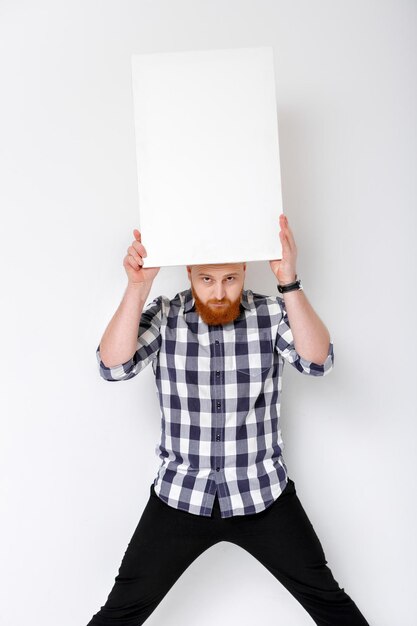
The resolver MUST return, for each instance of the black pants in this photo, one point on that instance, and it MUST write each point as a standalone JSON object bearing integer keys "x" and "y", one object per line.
{"x": 167, "y": 540}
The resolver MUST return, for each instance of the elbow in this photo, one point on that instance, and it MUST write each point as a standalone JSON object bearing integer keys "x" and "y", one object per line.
{"x": 322, "y": 358}
{"x": 108, "y": 364}
{"x": 320, "y": 366}
{"x": 117, "y": 372}
{"x": 320, "y": 355}
{"x": 317, "y": 358}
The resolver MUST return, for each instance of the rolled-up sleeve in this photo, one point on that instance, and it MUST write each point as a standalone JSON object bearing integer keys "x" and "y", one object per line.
{"x": 147, "y": 348}
{"x": 285, "y": 347}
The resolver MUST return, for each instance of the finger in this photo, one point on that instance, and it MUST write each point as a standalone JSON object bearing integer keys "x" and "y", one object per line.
{"x": 140, "y": 248}
{"x": 284, "y": 229}
{"x": 289, "y": 235}
{"x": 134, "y": 263}
{"x": 133, "y": 253}
{"x": 129, "y": 260}
{"x": 137, "y": 234}
{"x": 291, "y": 241}
{"x": 283, "y": 221}
{"x": 286, "y": 250}
{"x": 289, "y": 252}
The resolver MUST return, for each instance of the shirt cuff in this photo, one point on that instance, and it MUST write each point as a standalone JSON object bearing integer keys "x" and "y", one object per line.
{"x": 319, "y": 369}
{"x": 117, "y": 372}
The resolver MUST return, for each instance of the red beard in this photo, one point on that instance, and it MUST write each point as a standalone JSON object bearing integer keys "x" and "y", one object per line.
{"x": 213, "y": 315}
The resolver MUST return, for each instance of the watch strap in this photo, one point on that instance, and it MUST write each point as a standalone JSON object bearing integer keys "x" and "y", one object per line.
{"x": 294, "y": 286}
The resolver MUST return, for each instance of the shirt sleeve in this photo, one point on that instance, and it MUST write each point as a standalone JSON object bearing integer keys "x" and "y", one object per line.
{"x": 147, "y": 347}
{"x": 285, "y": 347}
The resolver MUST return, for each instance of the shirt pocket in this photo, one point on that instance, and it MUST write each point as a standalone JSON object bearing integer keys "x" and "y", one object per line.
{"x": 254, "y": 354}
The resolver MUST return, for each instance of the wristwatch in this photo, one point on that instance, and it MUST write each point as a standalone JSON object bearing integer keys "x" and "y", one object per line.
{"x": 295, "y": 286}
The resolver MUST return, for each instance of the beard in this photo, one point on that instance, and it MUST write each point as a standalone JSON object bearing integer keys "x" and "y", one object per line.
{"x": 213, "y": 315}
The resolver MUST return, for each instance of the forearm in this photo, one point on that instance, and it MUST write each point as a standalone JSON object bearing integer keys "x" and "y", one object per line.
{"x": 119, "y": 340}
{"x": 311, "y": 337}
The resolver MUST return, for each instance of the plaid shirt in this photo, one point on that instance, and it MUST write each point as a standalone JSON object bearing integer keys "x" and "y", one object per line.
{"x": 220, "y": 390}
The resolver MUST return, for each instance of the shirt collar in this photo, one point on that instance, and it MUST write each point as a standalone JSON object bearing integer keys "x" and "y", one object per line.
{"x": 246, "y": 300}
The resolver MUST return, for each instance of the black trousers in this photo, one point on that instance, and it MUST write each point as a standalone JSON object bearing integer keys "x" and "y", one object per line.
{"x": 167, "y": 540}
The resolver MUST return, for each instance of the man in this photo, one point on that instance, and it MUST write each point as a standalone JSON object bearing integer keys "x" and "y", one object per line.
{"x": 218, "y": 351}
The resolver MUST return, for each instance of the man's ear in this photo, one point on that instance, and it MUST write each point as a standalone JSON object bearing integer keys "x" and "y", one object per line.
{"x": 188, "y": 271}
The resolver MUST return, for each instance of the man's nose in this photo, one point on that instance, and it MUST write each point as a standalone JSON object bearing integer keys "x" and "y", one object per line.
{"x": 219, "y": 292}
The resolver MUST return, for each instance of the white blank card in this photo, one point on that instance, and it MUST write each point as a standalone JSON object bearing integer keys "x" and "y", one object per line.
{"x": 207, "y": 156}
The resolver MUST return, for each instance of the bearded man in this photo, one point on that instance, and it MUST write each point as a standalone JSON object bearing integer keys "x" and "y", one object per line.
{"x": 218, "y": 352}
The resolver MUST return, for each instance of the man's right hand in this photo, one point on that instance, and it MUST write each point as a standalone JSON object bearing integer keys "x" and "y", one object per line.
{"x": 133, "y": 262}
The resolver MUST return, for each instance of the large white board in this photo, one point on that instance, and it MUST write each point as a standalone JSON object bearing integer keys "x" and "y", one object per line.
{"x": 207, "y": 156}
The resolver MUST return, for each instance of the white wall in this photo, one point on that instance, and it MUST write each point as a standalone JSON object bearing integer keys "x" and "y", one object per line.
{"x": 78, "y": 454}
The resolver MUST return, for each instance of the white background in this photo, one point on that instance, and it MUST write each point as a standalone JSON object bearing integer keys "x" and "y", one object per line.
{"x": 77, "y": 453}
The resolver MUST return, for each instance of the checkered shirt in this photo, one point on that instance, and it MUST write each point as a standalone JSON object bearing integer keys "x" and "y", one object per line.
{"x": 219, "y": 389}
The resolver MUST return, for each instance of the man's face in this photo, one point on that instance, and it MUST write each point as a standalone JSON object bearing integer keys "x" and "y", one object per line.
{"x": 217, "y": 290}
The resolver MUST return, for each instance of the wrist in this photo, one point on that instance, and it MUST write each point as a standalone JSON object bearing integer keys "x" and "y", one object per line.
{"x": 287, "y": 280}
{"x": 140, "y": 290}
{"x": 295, "y": 285}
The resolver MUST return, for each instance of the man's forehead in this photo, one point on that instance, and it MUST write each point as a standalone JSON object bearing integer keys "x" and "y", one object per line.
{"x": 224, "y": 268}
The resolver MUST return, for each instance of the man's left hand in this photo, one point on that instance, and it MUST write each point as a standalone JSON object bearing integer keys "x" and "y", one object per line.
{"x": 285, "y": 268}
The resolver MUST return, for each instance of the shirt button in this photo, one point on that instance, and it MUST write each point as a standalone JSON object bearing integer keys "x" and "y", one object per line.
{"x": 217, "y": 469}
{"x": 218, "y": 437}
{"x": 216, "y": 342}
{"x": 218, "y": 405}
{"x": 218, "y": 373}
